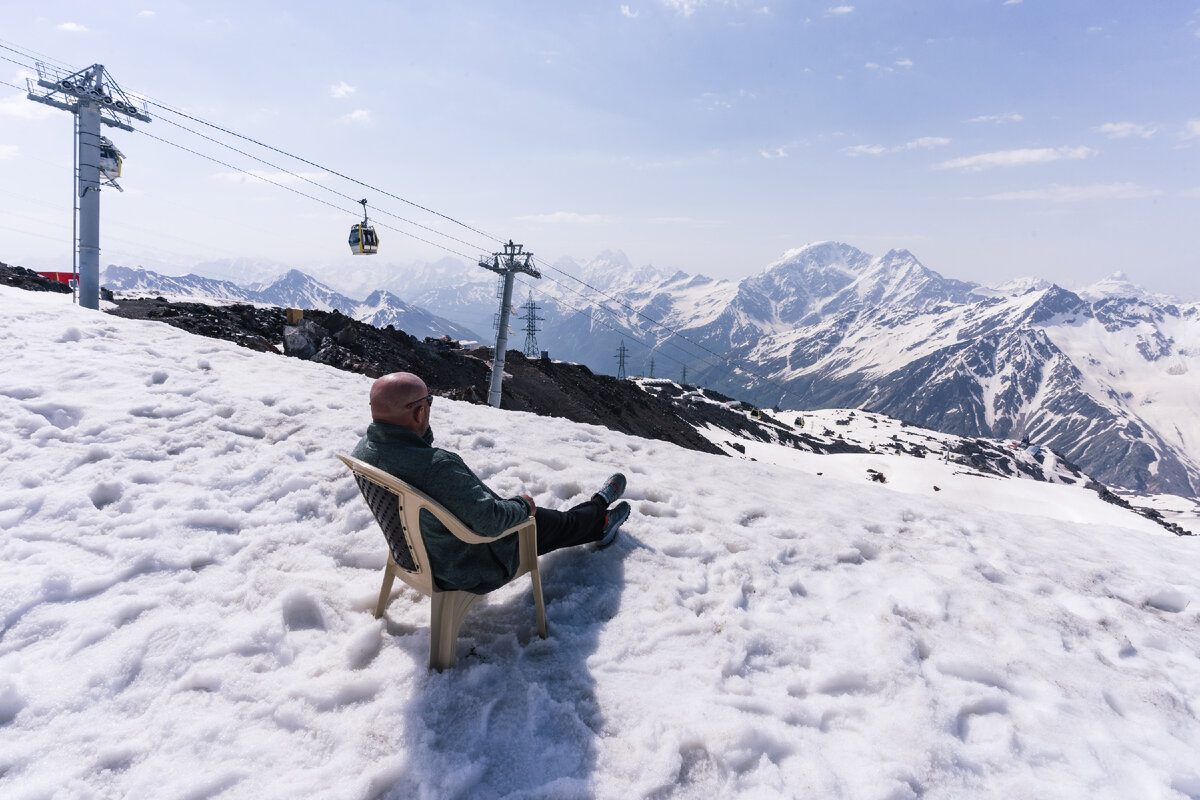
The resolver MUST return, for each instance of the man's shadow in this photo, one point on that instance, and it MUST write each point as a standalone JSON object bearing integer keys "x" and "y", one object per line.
{"x": 518, "y": 715}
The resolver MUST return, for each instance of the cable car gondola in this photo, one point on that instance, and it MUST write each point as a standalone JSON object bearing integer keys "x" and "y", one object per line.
{"x": 363, "y": 241}
{"x": 110, "y": 159}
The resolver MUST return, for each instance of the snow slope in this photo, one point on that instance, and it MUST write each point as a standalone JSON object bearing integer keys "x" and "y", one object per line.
{"x": 187, "y": 576}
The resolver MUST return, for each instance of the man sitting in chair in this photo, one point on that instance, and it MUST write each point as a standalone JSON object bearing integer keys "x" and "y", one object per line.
{"x": 399, "y": 441}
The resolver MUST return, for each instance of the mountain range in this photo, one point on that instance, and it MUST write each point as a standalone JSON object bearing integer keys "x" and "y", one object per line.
{"x": 1106, "y": 376}
{"x": 294, "y": 289}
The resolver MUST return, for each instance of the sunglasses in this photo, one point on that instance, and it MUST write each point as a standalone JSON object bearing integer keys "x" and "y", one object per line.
{"x": 426, "y": 399}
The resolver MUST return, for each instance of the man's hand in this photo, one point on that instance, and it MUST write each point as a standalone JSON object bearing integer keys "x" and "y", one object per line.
{"x": 532, "y": 505}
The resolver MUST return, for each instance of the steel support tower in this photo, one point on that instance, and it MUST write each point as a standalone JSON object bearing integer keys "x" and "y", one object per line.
{"x": 507, "y": 265}
{"x": 531, "y": 320}
{"x": 95, "y": 99}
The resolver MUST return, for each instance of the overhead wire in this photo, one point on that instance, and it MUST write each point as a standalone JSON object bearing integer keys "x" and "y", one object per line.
{"x": 166, "y": 107}
{"x": 308, "y": 180}
{"x": 33, "y": 54}
{"x": 288, "y": 188}
{"x": 328, "y": 170}
{"x": 600, "y": 320}
{"x": 674, "y": 334}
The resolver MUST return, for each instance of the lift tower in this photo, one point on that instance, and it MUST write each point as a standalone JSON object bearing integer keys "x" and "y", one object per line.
{"x": 506, "y": 264}
{"x": 95, "y": 99}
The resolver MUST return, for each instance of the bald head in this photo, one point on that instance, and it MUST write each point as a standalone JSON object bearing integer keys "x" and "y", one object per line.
{"x": 391, "y": 393}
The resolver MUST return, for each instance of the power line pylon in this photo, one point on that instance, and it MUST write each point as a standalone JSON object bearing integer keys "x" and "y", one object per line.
{"x": 652, "y": 367}
{"x": 622, "y": 353}
{"x": 531, "y": 320}
{"x": 507, "y": 265}
{"x": 683, "y": 379}
{"x": 95, "y": 99}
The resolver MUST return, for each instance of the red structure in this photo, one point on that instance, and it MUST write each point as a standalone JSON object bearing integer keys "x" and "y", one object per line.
{"x": 61, "y": 277}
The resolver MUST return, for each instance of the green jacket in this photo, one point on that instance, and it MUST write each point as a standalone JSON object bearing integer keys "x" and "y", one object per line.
{"x": 476, "y": 568}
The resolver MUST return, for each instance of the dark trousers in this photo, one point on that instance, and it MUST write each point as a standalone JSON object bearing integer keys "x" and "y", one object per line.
{"x": 582, "y": 524}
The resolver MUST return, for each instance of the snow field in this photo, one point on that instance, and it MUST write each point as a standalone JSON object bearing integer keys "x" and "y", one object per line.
{"x": 187, "y": 577}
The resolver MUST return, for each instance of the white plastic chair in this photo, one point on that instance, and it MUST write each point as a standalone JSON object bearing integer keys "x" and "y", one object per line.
{"x": 397, "y": 508}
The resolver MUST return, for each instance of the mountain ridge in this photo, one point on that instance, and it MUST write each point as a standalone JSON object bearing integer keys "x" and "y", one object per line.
{"x": 293, "y": 289}
{"x": 828, "y": 325}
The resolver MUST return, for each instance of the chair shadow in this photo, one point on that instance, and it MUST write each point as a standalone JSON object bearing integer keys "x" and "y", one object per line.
{"x": 518, "y": 716}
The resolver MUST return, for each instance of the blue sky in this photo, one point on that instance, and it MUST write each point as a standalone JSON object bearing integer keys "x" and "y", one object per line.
{"x": 992, "y": 138}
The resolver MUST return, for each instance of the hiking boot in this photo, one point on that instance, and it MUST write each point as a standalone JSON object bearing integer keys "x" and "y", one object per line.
{"x": 612, "y": 524}
{"x": 613, "y": 488}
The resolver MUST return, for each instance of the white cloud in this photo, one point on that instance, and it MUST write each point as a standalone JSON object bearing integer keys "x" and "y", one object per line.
{"x": 627, "y": 12}
{"x": 871, "y": 65}
{"x": 146, "y": 13}
{"x": 924, "y": 143}
{"x": 1011, "y": 2}
{"x": 360, "y": 116}
{"x": 684, "y": 8}
{"x": 1016, "y": 158}
{"x": 1125, "y": 130}
{"x": 998, "y": 118}
{"x": 342, "y": 89}
{"x": 72, "y": 27}
{"x": 713, "y": 101}
{"x": 1074, "y": 194}
{"x": 21, "y": 107}
{"x": 1190, "y": 192}
{"x": 568, "y": 217}
{"x": 1192, "y": 129}
{"x": 904, "y": 62}
{"x": 778, "y": 152}
{"x": 8, "y": 151}
{"x": 839, "y": 11}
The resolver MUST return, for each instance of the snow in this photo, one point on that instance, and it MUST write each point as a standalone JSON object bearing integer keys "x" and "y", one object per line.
{"x": 945, "y": 478}
{"x": 1161, "y": 393}
{"x": 187, "y": 576}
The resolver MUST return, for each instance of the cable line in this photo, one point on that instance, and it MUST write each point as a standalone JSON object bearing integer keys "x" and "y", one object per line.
{"x": 330, "y": 171}
{"x": 290, "y": 189}
{"x": 36, "y": 56}
{"x": 600, "y": 321}
{"x": 674, "y": 333}
{"x": 622, "y": 331}
{"x": 308, "y": 180}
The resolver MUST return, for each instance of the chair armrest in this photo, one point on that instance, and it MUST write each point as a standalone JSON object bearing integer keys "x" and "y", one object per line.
{"x": 464, "y": 534}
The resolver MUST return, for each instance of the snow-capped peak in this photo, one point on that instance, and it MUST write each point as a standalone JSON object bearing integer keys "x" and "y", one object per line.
{"x": 1115, "y": 285}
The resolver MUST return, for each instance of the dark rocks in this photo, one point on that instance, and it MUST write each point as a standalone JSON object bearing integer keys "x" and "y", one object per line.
{"x": 21, "y": 278}
{"x": 539, "y": 386}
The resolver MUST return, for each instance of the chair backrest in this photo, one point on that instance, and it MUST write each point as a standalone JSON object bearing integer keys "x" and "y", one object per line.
{"x": 397, "y": 507}
{"x": 387, "y": 506}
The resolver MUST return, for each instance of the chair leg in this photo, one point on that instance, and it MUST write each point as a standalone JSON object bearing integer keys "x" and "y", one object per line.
{"x": 389, "y": 576}
{"x": 446, "y": 613}
{"x": 538, "y": 601}
{"x": 529, "y": 560}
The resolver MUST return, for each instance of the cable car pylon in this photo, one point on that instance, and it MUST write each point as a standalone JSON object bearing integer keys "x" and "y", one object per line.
{"x": 94, "y": 98}
{"x": 507, "y": 265}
